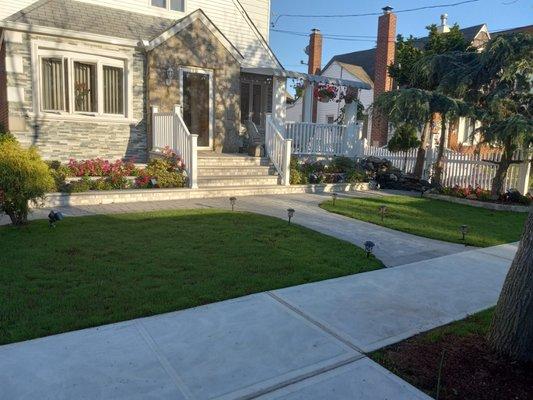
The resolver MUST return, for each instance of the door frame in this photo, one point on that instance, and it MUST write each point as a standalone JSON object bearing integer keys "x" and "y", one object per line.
{"x": 208, "y": 72}
{"x": 264, "y": 100}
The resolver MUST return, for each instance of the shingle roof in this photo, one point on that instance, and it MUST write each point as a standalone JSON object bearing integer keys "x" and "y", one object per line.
{"x": 358, "y": 72}
{"x": 83, "y": 17}
{"x": 522, "y": 29}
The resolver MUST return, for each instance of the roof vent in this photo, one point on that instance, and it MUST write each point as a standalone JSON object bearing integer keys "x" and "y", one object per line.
{"x": 444, "y": 20}
{"x": 387, "y": 9}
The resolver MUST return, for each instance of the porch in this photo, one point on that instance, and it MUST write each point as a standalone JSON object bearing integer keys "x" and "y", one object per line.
{"x": 191, "y": 129}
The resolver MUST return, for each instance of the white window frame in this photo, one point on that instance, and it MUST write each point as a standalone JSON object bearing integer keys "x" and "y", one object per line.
{"x": 167, "y": 8}
{"x": 88, "y": 55}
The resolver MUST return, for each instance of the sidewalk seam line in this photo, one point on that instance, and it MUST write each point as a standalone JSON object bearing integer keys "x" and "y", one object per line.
{"x": 163, "y": 361}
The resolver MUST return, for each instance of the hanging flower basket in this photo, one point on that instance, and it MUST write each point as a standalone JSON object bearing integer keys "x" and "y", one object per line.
{"x": 325, "y": 93}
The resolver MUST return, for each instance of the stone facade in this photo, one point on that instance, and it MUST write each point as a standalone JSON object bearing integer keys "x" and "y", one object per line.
{"x": 76, "y": 137}
{"x": 196, "y": 46}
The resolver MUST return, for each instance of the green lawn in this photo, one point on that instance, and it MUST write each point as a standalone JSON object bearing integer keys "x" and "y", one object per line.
{"x": 96, "y": 270}
{"x": 435, "y": 218}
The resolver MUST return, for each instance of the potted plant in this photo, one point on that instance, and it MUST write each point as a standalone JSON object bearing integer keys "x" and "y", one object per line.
{"x": 325, "y": 92}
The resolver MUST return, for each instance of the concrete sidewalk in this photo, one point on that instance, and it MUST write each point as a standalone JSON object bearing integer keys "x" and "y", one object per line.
{"x": 306, "y": 342}
{"x": 392, "y": 247}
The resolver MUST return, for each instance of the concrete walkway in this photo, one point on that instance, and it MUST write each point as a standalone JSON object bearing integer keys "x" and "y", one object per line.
{"x": 392, "y": 247}
{"x": 301, "y": 343}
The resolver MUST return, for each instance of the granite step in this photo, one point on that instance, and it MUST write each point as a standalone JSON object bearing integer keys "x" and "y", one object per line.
{"x": 237, "y": 180}
{"x": 247, "y": 170}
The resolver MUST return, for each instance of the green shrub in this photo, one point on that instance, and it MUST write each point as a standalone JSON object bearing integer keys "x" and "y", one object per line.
{"x": 165, "y": 174}
{"x": 83, "y": 185}
{"x": 59, "y": 173}
{"x": 356, "y": 176}
{"x": 24, "y": 178}
{"x": 341, "y": 164}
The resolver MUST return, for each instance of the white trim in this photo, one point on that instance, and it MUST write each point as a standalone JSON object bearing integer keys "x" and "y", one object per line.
{"x": 14, "y": 64}
{"x": 15, "y": 94}
{"x": 71, "y": 54}
{"x": 184, "y": 23}
{"x": 67, "y": 33}
{"x": 211, "y": 99}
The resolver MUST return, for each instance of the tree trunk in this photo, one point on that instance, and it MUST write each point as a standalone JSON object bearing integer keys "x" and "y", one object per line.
{"x": 421, "y": 154}
{"x": 439, "y": 164}
{"x": 501, "y": 173}
{"x": 511, "y": 330}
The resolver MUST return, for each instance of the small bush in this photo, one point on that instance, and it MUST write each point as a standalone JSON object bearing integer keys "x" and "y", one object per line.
{"x": 165, "y": 174}
{"x": 59, "y": 173}
{"x": 99, "y": 167}
{"x": 355, "y": 176}
{"x": 341, "y": 164}
{"x": 24, "y": 178}
{"x": 83, "y": 185}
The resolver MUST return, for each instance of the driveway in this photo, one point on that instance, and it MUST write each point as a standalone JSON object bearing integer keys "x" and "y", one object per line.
{"x": 392, "y": 247}
{"x": 307, "y": 342}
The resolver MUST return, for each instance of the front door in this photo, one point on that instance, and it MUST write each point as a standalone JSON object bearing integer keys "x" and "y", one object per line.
{"x": 197, "y": 101}
{"x": 253, "y": 103}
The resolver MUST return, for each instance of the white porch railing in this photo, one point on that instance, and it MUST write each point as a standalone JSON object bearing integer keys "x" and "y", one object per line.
{"x": 278, "y": 149}
{"x": 170, "y": 130}
{"x": 316, "y": 139}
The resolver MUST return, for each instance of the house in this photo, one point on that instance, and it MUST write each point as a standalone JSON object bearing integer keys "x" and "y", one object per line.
{"x": 371, "y": 66}
{"x": 121, "y": 79}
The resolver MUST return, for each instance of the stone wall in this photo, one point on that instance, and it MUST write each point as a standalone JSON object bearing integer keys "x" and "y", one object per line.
{"x": 60, "y": 138}
{"x": 196, "y": 46}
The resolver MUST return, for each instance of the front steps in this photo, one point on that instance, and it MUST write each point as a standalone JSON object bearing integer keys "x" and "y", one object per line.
{"x": 234, "y": 170}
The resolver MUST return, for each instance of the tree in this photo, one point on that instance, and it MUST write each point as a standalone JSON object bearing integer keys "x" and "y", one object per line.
{"x": 511, "y": 330}
{"x": 497, "y": 83}
{"x": 404, "y": 139}
{"x": 410, "y": 53}
{"x": 24, "y": 178}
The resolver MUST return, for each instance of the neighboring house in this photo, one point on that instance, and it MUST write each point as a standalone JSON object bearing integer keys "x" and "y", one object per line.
{"x": 81, "y": 76}
{"x": 373, "y": 64}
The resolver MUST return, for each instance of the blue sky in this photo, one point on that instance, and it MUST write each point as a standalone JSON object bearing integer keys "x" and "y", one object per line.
{"x": 497, "y": 14}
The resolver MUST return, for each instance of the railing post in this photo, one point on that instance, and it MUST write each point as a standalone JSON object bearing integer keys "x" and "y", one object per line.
{"x": 286, "y": 177}
{"x": 193, "y": 174}
{"x": 178, "y": 110}
{"x": 523, "y": 175}
{"x": 155, "y": 110}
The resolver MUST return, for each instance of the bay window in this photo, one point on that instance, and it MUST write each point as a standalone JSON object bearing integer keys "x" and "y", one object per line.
{"x": 75, "y": 84}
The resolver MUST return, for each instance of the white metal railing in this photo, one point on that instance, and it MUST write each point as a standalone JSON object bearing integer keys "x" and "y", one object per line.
{"x": 316, "y": 139}
{"x": 278, "y": 149}
{"x": 170, "y": 130}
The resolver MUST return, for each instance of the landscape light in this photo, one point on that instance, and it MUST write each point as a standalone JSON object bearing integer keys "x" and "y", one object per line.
{"x": 369, "y": 246}
{"x": 290, "y": 214}
{"x": 382, "y": 212}
{"x": 232, "y": 201}
{"x": 464, "y": 230}
{"x": 53, "y": 218}
{"x": 334, "y": 195}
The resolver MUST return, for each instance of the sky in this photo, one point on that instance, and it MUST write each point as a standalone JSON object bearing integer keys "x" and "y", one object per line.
{"x": 497, "y": 14}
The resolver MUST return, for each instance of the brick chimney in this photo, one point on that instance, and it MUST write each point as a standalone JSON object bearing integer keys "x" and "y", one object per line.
{"x": 314, "y": 64}
{"x": 385, "y": 53}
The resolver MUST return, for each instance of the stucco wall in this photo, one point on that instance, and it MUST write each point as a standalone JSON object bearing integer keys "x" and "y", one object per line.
{"x": 196, "y": 46}
{"x": 60, "y": 138}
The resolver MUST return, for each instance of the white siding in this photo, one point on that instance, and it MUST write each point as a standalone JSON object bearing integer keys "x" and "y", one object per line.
{"x": 333, "y": 108}
{"x": 225, "y": 14}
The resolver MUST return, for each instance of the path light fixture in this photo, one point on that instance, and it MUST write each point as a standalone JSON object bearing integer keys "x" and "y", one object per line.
{"x": 232, "y": 201}
{"x": 153, "y": 182}
{"x": 334, "y": 196}
{"x": 290, "y": 214}
{"x": 382, "y": 211}
{"x": 53, "y": 218}
{"x": 369, "y": 247}
{"x": 464, "y": 230}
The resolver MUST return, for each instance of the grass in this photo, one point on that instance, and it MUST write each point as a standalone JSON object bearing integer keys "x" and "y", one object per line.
{"x": 435, "y": 219}
{"x": 102, "y": 269}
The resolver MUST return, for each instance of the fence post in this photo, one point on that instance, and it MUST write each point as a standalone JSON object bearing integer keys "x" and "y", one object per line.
{"x": 155, "y": 110}
{"x": 286, "y": 177}
{"x": 523, "y": 175}
{"x": 193, "y": 175}
{"x": 178, "y": 110}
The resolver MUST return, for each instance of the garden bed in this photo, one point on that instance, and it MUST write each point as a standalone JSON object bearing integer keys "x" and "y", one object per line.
{"x": 90, "y": 271}
{"x": 469, "y": 369}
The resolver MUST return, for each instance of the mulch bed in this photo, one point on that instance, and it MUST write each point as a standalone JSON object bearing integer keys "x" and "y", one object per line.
{"x": 470, "y": 370}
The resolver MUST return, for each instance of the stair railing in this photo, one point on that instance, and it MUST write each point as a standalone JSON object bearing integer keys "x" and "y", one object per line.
{"x": 278, "y": 149}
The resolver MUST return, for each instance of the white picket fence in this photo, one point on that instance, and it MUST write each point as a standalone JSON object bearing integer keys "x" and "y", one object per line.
{"x": 459, "y": 169}
{"x": 316, "y": 139}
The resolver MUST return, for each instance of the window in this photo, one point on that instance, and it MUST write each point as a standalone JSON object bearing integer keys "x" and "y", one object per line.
{"x": 53, "y": 84}
{"x": 172, "y": 5}
{"x": 70, "y": 83}
{"x": 113, "y": 90}
{"x": 84, "y": 87}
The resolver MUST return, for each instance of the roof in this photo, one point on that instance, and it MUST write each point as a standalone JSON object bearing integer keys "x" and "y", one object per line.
{"x": 358, "y": 72}
{"x": 365, "y": 59}
{"x": 521, "y": 29}
{"x": 84, "y": 17}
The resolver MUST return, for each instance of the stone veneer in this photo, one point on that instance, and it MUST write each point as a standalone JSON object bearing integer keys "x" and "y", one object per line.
{"x": 196, "y": 46}
{"x": 61, "y": 139}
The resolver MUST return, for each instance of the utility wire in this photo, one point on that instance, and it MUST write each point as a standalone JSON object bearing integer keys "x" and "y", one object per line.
{"x": 278, "y": 17}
